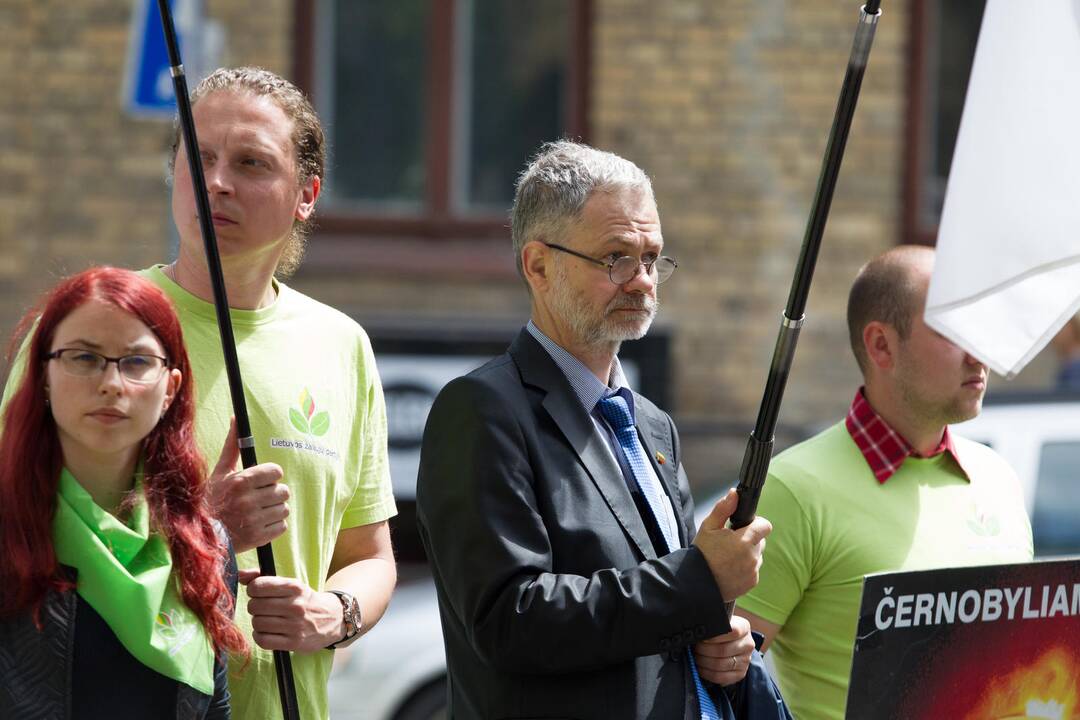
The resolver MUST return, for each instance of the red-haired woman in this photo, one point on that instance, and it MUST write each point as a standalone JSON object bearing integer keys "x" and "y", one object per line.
{"x": 116, "y": 588}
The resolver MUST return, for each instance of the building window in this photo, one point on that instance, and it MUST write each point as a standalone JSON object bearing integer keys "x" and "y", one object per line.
{"x": 432, "y": 107}
{"x": 943, "y": 38}
{"x": 370, "y": 92}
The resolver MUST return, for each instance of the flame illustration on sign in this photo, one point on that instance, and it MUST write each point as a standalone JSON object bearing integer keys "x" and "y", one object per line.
{"x": 1046, "y": 689}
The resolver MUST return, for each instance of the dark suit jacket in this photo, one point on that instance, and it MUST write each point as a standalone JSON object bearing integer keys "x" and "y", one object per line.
{"x": 553, "y": 602}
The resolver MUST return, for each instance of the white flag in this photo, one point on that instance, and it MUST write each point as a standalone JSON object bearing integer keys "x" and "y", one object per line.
{"x": 1007, "y": 275}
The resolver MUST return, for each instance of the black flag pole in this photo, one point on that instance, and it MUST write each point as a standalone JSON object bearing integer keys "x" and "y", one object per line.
{"x": 282, "y": 661}
{"x": 759, "y": 447}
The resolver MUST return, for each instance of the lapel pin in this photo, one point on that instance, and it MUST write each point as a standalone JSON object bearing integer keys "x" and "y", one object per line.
{"x": 660, "y": 457}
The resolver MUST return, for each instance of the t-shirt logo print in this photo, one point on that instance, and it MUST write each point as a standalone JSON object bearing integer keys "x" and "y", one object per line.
{"x": 306, "y": 420}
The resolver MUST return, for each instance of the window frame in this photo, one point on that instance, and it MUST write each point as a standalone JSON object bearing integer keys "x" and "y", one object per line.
{"x": 922, "y": 34}
{"x": 915, "y": 129}
{"x": 404, "y": 240}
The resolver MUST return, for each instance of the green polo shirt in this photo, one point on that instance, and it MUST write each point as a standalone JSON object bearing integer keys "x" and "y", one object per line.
{"x": 834, "y": 523}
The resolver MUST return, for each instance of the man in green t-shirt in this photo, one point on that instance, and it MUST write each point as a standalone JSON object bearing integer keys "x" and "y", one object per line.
{"x": 888, "y": 488}
{"x": 313, "y": 392}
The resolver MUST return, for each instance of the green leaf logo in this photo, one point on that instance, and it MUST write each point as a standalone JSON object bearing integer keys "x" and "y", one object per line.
{"x": 320, "y": 423}
{"x": 305, "y": 419}
{"x": 299, "y": 421}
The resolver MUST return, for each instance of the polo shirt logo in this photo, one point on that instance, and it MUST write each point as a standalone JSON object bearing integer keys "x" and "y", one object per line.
{"x": 306, "y": 420}
{"x": 982, "y": 522}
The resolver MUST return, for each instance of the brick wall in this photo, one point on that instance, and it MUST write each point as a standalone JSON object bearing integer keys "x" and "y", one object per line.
{"x": 79, "y": 181}
{"x": 726, "y": 104}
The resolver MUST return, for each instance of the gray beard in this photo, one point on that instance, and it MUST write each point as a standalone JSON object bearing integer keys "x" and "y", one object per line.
{"x": 604, "y": 330}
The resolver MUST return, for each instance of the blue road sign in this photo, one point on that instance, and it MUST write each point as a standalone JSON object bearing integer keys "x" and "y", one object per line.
{"x": 148, "y": 89}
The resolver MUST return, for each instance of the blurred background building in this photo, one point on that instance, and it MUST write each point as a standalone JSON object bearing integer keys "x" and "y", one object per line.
{"x": 433, "y": 106}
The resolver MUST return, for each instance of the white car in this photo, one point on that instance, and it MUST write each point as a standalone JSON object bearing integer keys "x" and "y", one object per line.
{"x": 1039, "y": 435}
{"x": 398, "y": 670}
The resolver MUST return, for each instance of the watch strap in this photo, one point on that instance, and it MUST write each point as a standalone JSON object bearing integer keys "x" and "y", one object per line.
{"x": 350, "y": 616}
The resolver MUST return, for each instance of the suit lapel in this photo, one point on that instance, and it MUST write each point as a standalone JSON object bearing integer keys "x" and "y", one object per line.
{"x": 655, "y": 435}
{"x": 539, "y": 370}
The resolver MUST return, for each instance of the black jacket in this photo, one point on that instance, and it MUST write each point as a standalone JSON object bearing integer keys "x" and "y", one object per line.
{"x": 554, "y": 603}
{"x": 36, "y": 666}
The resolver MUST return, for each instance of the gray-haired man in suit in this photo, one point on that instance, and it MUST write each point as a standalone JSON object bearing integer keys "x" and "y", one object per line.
{"x": 552, "y": 499}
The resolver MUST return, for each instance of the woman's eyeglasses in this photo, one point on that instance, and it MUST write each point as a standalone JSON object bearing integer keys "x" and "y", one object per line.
{"x": 138, "y": 368}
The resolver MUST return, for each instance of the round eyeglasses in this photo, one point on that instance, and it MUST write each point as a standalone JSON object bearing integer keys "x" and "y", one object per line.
{"x": 138, "y": 368}
{"x": 623, "y": 269}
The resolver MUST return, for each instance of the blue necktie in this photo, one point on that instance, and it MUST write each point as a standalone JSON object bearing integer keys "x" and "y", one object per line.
{"x": 616, "y": 412}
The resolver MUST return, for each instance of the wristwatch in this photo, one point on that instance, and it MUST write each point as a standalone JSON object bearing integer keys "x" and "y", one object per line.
{"x": 350, "y": 616}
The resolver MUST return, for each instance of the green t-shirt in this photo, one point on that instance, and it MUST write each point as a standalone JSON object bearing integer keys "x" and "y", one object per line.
{"x": 834, "y": 523}
{"x": 316, "y": 409}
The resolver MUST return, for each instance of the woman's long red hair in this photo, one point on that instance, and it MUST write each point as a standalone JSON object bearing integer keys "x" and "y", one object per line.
{"x": 175, "y": 478}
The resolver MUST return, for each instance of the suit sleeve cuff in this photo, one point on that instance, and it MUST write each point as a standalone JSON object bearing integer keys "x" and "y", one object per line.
{"x": 705, "y": 613}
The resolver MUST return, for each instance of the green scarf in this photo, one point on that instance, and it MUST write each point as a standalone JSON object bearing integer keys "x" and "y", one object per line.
{"x": 125, "y": 574}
